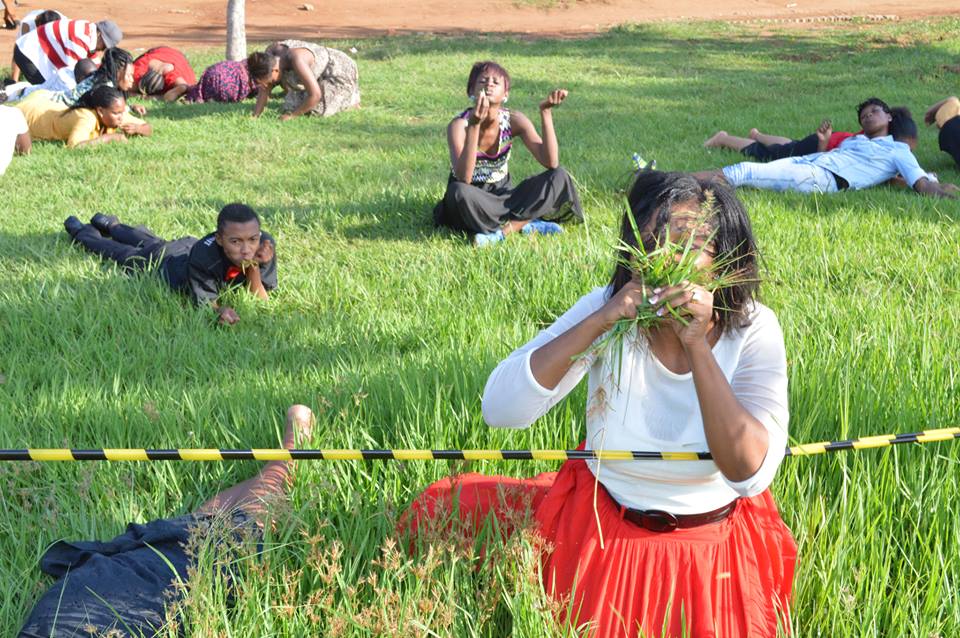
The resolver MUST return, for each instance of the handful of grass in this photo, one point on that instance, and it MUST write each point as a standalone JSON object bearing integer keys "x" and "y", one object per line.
{"x": 247, "y": 263}
{"x": 669, "y": 264}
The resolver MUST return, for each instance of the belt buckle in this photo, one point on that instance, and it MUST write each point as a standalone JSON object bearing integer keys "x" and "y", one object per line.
{"x": 659, "y": 521}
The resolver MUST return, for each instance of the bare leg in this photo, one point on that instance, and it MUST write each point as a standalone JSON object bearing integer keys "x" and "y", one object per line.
{"x": 722, "y": 139}
{"x": 767, "y": 140}
{"x": 514, "y": 226}
{"x": 273, "y": 480}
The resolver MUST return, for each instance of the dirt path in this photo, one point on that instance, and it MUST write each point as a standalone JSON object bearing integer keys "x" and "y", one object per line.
{"x": 202, "y": 22}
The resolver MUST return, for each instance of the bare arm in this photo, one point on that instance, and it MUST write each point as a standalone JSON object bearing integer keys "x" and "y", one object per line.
{"x": 301, "y": 66}
{"x": 179, "y": 88}
{"x": 544, "y": 149}
{"x": 263, "y": 96}
{"x": 737, "y": 440}
{"x": 931, "y": 115}
{"x": 23, "y": 144}
{"x": 463, "y": 140}
{"x": 254, "y": 282}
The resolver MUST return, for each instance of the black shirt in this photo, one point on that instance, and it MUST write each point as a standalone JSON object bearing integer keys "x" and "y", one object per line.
{"x": 200, "y": 268}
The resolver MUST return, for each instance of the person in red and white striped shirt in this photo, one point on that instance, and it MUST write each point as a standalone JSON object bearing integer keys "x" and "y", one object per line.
{"x": 42, "y": 53}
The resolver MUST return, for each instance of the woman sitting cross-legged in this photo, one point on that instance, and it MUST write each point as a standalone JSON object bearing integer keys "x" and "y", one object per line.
{"x": 655, "y": 547}
{"x": 480, "y": 198}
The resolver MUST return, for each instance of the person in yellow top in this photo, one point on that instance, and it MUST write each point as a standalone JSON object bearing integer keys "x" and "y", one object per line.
{"x": 99, "y": 116}
{"x": 946, "y": 115}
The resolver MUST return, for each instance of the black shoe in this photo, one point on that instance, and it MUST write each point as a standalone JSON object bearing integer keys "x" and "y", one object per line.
{"x": 73, "y": 225}
{"x": 103, "y": 223}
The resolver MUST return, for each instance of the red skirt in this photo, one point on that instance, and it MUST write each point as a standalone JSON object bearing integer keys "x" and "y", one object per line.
{"x": 730, "y": 579}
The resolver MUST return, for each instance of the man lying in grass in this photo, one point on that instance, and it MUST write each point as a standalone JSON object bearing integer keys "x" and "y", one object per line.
{"x": 859, "y": 162}
{"x": 121, "y": 587}
{"x": 237, "y": 253}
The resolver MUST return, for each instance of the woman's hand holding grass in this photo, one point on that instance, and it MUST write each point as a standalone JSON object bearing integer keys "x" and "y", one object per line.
{"x": 693, "y": 303}
{"x": 227, "y": 316}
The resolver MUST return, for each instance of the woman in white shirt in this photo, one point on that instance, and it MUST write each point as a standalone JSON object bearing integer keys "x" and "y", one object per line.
{"x": 667, "y": 547}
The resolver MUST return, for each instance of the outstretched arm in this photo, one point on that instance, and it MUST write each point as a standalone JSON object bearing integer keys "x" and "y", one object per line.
{"x": 925, "y": 186}
{"x": 545, "y": 150}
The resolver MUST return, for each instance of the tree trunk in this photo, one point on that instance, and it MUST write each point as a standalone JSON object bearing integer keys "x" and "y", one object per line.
{"x": 236, "y": 30}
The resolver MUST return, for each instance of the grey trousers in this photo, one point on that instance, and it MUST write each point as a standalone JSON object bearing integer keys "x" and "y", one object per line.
{"x": 484, "y": 208}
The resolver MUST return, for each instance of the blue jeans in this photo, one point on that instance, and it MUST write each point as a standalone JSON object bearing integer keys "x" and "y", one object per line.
{"x": 788, "y": 174}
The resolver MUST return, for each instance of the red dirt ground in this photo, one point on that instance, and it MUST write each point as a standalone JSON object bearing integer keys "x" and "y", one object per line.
{"x": 187, "y": 23}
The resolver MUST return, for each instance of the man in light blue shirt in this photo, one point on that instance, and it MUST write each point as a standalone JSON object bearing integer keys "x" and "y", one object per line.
{"x": 862, "y": 161}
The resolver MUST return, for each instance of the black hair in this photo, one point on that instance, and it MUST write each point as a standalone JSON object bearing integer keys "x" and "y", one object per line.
{"x": 115, "y": 61}
{"x": 84, "y": 69}
{"x": 47, "y": 16}
{"x": 902, "y": 125}
{"x": 869, "y": 102}
{"x": 151, "y": 82}
{"x": 235, "y": 214}
{"x": 651, "y": 200}
{"x": 103, "y": 96}
{"x": 479, "y": 68}
{"x": 260, "y": 64}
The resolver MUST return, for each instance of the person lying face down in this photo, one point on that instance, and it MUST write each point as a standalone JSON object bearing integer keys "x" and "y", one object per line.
{"x": 163, "y": 72}
{"x": 238, "y": 253}
{"x": 100, "y": 116}
{"x": 859, "y": 162}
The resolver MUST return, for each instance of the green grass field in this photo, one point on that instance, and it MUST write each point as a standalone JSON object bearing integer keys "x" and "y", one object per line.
{"x": 388, "y": 328}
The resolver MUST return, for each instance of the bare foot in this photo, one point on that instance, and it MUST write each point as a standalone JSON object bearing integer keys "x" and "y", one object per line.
{"x": 716, "y": 140}
{"x": 299, "y": 426}
{"x": 513, "y": 226}
{"x": 754, "y": 134}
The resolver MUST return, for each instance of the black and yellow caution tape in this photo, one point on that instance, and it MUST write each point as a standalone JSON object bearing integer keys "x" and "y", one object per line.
{"x": 263, "y": 454}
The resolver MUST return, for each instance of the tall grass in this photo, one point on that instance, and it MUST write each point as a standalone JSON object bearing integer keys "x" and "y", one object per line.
{"x": 388, "y": 328}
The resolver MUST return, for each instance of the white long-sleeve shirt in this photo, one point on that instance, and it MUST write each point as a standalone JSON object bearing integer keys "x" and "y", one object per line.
{"x": 655, "y": 409}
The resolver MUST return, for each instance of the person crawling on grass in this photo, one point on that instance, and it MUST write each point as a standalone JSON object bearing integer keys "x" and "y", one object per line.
{"x": 946, "y": 115}
{"x": 480, "y": 198}
{"x": 99, "y": 116}
{"x": 238, "y": 253}
{"x": 678, "y": 355}
{"x": 318, "y": 80}
{"x": 130, "y": 586}
{"x": 861, "y": 161}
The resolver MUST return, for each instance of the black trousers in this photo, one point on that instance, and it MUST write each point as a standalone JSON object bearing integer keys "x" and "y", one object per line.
{"x": 29, "y": 70}
{"x": 134, "y": 248}
{"x": 770, "y": 152}
{"x": 950, "y": 138}
{"x": 483, "y": 208}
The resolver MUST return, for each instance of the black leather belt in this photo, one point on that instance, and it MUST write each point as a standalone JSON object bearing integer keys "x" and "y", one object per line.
{"x": 660, "y": 521}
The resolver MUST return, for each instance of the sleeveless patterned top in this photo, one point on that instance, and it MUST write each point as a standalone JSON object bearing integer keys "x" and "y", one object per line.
{"x": 494, "y": 168}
